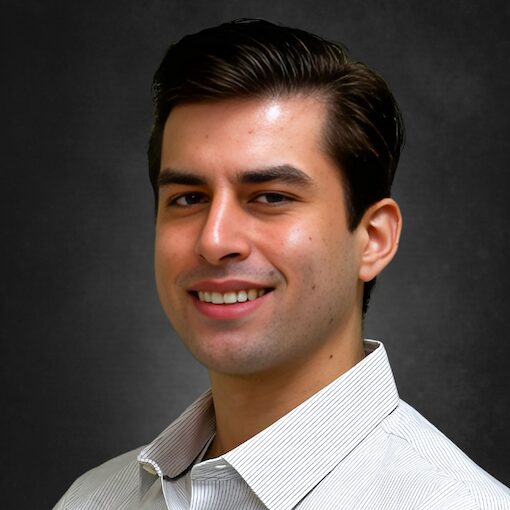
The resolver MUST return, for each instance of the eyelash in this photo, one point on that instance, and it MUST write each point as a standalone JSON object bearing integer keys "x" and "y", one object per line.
{"x": 285, "y": 198}
{"x": 173, "y": 201}
{"x": 282, "y": 198}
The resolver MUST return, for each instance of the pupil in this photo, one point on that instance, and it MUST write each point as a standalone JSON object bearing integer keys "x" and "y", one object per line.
{"x": 273, "y": 197}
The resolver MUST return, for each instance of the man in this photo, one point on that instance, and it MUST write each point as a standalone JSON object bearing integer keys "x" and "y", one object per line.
{"x": 272, "y": 157}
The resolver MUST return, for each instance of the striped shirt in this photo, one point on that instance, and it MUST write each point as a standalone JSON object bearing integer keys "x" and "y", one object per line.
{"x": 352, "y": 445}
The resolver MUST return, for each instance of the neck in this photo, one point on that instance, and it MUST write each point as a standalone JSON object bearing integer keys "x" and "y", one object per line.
{"x": 247, "y": 404}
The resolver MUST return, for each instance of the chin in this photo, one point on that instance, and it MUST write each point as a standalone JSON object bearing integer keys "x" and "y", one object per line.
{"x": 234, "y": 360}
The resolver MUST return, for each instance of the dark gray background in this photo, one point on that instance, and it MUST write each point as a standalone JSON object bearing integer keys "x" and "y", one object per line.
{"x": 90, "y": 367}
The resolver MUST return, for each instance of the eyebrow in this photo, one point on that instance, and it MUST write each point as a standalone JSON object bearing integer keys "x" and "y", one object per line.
{"x": 169, "y": 176}
{"x": 283, "y": 173}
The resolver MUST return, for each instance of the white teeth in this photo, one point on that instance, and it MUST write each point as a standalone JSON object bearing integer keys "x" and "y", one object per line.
{"x": 241, "y": 296}
{"x": 217, "y": 298}
{"x": 230, "y": 297}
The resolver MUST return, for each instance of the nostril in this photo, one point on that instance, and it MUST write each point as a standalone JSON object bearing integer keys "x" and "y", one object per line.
{"x": 230, "y": 256}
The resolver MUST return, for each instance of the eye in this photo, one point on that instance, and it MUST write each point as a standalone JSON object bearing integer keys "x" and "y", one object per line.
{"x": 188, "y": 199}
{"x": 272, "y": 198}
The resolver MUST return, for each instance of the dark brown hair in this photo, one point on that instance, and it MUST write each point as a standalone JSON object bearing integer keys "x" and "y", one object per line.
{"x": 258, "y": 59}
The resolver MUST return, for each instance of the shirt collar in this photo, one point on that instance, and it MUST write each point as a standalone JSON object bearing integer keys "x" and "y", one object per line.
{"x": 177, "y": 447}
{"x": 287, "y": 460}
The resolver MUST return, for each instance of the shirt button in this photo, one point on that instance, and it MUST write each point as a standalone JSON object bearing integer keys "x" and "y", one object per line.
{"x": 149, "y": 469}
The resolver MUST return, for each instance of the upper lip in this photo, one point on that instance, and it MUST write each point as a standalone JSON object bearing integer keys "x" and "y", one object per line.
{"x": 226, "y": 286}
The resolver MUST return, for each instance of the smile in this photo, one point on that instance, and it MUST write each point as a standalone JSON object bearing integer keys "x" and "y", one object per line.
{"x": 230, "y": 298}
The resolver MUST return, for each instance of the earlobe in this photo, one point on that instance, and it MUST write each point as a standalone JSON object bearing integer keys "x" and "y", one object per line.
{"x": 381, "y": 226}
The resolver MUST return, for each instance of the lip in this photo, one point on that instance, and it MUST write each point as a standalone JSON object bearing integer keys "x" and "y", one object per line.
{"x": 226, "y": 286}
{"x": 231, "y": 311}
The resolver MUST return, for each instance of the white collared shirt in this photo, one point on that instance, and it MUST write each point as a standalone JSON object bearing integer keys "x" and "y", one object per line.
{"x": 352, "y": 445}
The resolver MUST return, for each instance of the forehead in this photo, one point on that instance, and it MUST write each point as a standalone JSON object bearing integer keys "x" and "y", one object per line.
{"x": 238, "y": 133}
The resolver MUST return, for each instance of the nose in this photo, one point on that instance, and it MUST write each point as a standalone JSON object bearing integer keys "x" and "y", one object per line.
{"x": 224, "y": 236}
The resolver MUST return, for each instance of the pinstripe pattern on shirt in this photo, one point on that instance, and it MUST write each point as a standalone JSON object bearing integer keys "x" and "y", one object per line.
{"x": 353, "y": 445}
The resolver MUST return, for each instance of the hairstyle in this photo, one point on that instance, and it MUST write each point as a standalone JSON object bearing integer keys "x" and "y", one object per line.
{"x": 246, "y": 58}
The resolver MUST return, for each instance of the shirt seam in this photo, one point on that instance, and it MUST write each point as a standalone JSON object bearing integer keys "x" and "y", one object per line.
{"x": 462, "y": 483}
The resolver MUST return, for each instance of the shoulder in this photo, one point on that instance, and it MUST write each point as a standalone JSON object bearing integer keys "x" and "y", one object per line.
{"x": 113, "y": 483}
{"x": 450, "y": 468}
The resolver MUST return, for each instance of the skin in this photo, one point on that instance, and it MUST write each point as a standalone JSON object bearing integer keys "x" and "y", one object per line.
{"x": 213, "y": 228}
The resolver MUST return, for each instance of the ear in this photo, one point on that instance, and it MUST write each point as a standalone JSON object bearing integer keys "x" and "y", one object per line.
{"x": 380, "y": 230}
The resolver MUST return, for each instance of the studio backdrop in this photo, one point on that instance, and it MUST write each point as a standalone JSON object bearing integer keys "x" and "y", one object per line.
{"x": 90, "y": 366}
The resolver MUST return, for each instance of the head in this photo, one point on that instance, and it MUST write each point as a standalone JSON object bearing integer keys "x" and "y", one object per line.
{"x": 363, "y": 129}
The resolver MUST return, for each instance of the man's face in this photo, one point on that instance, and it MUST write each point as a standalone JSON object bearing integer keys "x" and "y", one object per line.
{"x": 252, "y": 217}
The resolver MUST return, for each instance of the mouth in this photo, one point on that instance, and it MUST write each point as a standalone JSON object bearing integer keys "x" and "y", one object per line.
{"x": 229, "y": 298}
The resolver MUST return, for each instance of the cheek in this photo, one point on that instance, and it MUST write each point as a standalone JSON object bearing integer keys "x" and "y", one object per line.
{"x": 170, "y": 245}
{"x": 295, "y": 239}
{"x": 166, "y": 258}
{"x": 321, "y": 253}
{"x": 297, "y": 254}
